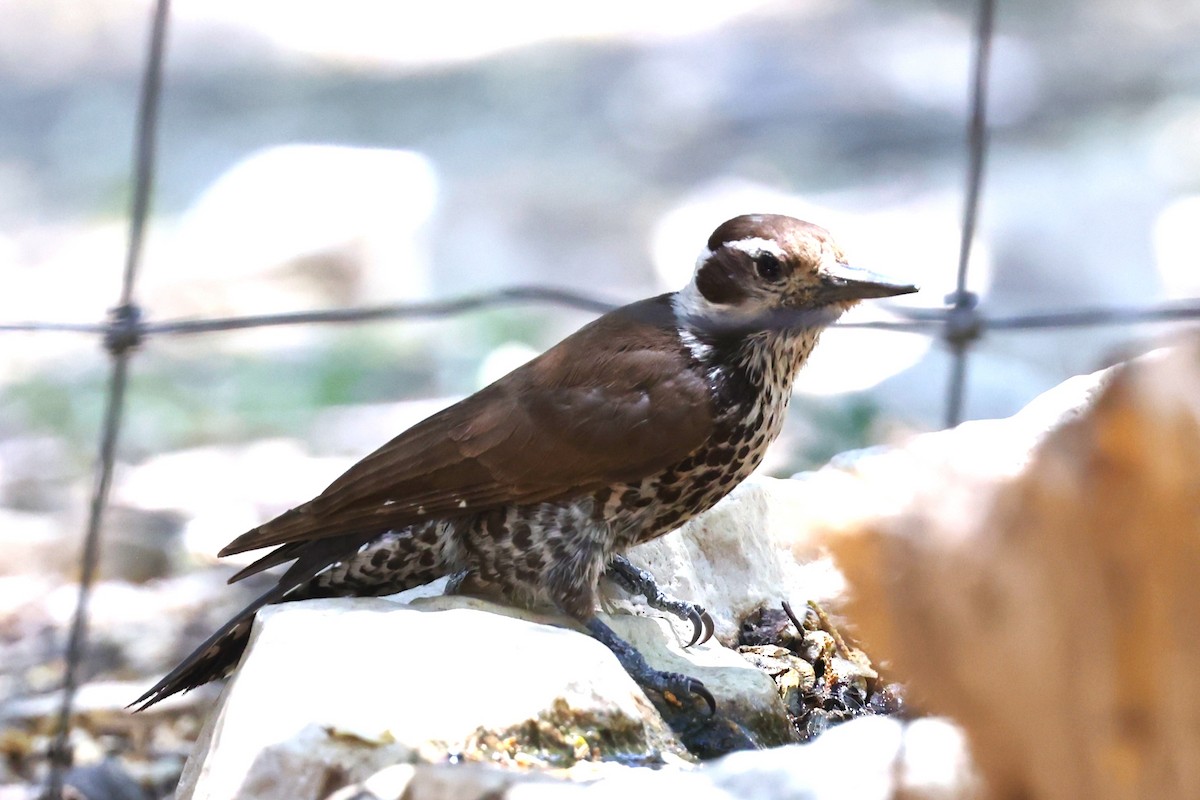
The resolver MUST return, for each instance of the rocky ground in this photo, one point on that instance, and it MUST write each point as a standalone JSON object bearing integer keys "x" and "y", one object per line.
{"x": 786, "y": 676}
{"x": 781, "y": 675}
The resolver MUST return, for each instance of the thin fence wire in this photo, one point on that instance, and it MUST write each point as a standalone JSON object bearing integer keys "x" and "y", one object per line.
{"x": 121, "y": 336}
{"x": 960, "y": 323}
{"x": 932, "y": 321}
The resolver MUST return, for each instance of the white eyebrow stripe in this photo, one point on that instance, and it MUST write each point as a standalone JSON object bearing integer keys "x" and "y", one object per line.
{"x": 756, "y": 246}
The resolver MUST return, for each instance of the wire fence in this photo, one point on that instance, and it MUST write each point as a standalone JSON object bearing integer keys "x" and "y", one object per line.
{"x": 960, "y": 323}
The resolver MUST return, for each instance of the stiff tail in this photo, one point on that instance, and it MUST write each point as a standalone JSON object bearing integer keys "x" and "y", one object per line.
{"x": 214, "y": 659}
{"x": 361, "y": 564}
{"x": 221, "y": 652}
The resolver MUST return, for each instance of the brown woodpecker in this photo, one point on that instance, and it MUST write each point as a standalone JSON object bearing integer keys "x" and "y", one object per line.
{"x": 536, "y": 484}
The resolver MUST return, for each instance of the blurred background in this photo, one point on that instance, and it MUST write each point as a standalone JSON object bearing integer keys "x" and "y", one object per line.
{"x": 316, "y": 155}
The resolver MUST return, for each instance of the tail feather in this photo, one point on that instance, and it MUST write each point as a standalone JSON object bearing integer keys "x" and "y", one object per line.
{"x": 280, "y": 555}
{"x": 221, "y": 652}
{"x": 213, "y": 659}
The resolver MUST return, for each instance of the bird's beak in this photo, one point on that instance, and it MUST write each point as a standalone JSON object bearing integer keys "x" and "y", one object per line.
{"x": 841, "y": 282}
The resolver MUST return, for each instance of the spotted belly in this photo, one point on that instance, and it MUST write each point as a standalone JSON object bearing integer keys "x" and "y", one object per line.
{"x": 661, "y": 503}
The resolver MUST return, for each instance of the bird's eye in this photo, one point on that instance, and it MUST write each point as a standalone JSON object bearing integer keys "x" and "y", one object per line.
{"x": 768, "y": 266}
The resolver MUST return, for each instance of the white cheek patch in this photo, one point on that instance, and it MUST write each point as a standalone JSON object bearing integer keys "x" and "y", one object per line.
{"x": 689, "y": 303}
{"x": 756, "y": 246}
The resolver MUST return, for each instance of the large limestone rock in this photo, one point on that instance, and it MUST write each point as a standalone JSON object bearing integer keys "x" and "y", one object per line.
{"x": 1036, "y": 579}
{"x": 331, "y": 691}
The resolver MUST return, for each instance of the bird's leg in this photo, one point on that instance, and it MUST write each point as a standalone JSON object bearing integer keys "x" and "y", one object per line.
{"x": 671, "y": 685}
{"x": 639, "y": 581}
{"x": 577, "y": 599}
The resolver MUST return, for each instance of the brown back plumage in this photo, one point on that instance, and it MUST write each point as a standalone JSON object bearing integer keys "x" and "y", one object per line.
{"x": 583, "y": 415}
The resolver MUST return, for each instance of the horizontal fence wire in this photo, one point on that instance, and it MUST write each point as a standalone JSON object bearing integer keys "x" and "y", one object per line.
{"x": 909, "y": 320}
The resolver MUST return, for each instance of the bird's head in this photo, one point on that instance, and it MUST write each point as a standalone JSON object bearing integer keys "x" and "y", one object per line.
{"x": 772, "y": 271}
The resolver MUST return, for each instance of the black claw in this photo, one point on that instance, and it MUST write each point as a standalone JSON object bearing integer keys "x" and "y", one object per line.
{"x": 702, "y": 625}
{"x": 677, "y": 685}
{"x": 639, "y": 581}
{"x": 697, "y": 688}
{"x": 710, "y": 626}
{"x": 697, "y": 626}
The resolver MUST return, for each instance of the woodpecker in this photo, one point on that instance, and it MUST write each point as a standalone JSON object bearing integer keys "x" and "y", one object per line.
{"x": 536, "y": 485}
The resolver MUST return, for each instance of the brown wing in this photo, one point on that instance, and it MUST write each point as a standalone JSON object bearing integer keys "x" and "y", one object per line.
{"x": 614, "y": 402}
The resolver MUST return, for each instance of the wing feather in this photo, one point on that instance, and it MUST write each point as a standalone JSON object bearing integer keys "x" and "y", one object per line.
{"x": 599, "y": 408}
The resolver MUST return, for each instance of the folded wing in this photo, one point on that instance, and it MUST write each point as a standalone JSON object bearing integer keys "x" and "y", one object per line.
{"x": 614, "y": 402}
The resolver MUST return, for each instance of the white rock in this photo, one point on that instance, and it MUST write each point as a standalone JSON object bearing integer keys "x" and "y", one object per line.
{"x": 625, "y": 784}
{"x": 464, "y": 781}
{"x": 36, "y": 472}
{"x": 868, "y": 758}
{"x": 30, "y": 541}
{"x": 937, "y": 761}
{"x": 852, "y": 761}
{"x": 743, "y": 693}
{"x": 389, "y": 783}
{"x": 357, "y": 684}
{"x": 730, "y": 561}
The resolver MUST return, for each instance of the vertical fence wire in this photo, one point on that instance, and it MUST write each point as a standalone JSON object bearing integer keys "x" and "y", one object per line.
{"x": 123, "y": 335}
{"x": 962, "y": 323}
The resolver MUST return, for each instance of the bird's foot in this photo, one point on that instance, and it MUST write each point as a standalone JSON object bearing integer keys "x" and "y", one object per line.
{"x": 674, "y": 687}
{"x": 639, "y": 581}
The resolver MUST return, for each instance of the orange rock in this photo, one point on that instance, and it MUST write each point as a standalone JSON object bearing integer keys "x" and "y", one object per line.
{"x": 1050, "y": 604}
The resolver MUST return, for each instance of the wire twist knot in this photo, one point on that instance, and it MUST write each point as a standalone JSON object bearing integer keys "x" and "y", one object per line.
{"x": 125, "y": 331}
{"x": 964, "y": 324}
